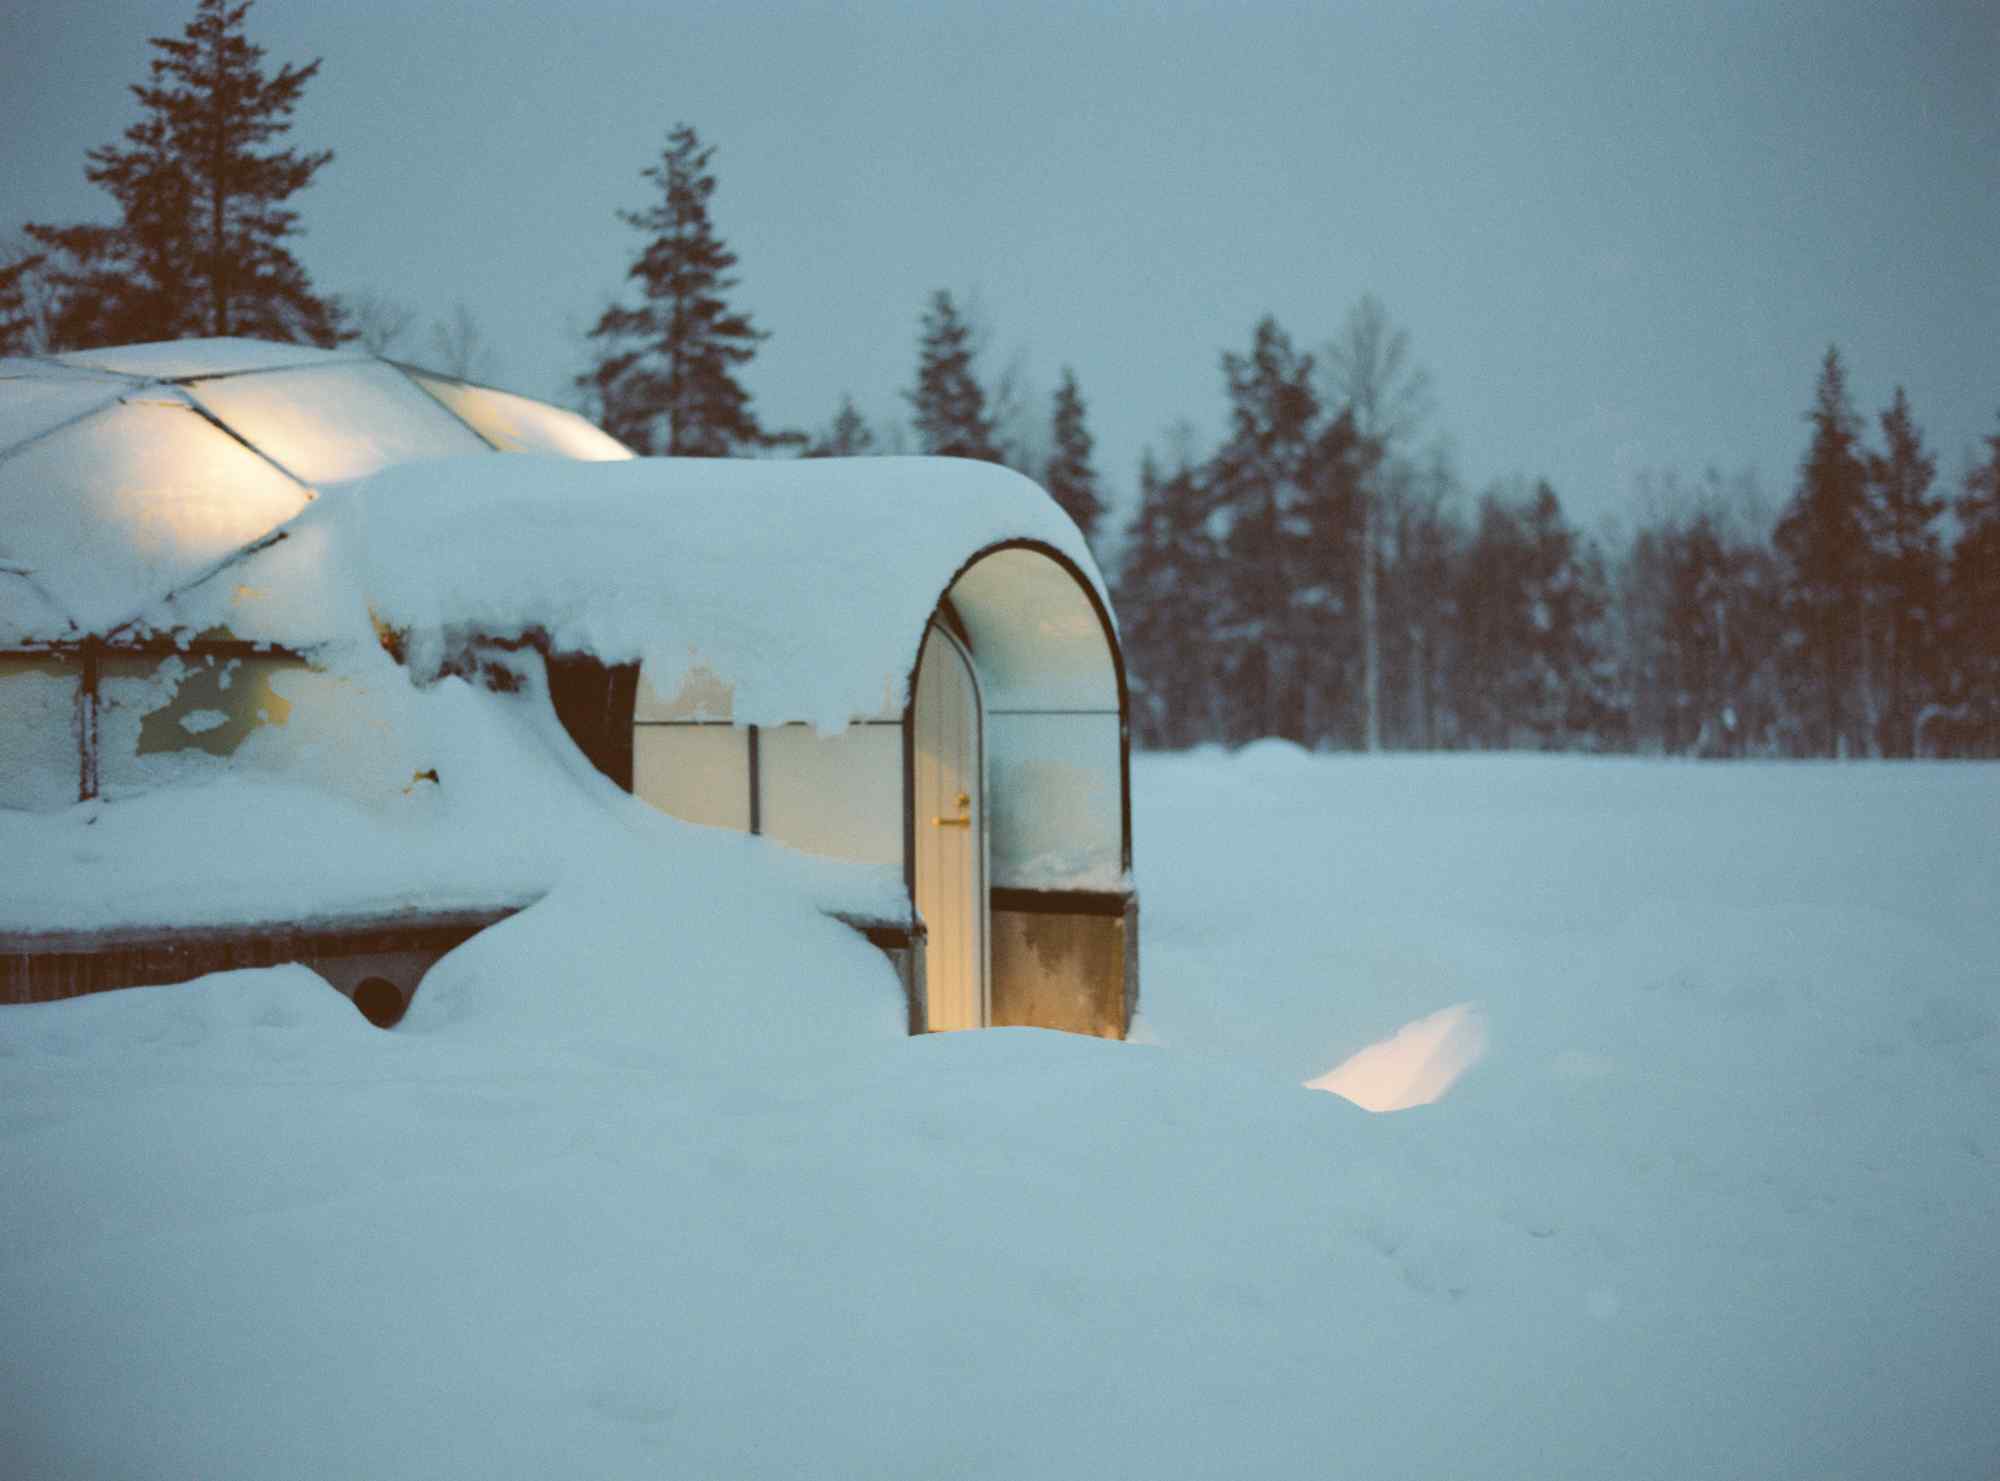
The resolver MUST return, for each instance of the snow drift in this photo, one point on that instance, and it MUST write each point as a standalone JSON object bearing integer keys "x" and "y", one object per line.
{"x": 655, "y": 1186}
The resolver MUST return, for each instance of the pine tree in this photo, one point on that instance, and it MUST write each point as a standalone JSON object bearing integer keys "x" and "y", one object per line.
{"x": 951, "y": 417}
{"x": 1826, "y": 538}
{"x": 1910, "y": 573}
{"x": 1260, "y": 482}
{"x": 1536, "y": 653}
{"x": 199, "y": 247}
{"x": 1489, "y": 687}
{"x": 1170, "y": 603}
{"x": 848, "y": 436}
{"x": 665, "y": 380}
{"x": 1564, "y": 699}
{"x": 1694, "y": 630}
{"x": 1698, "y": 629}
{"x": 1069, "y": 476}
{"x": 1974, "y": 608}
{"x": 22, "y": 330}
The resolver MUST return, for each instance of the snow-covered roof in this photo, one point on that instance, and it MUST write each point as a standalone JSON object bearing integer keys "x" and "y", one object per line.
{"x": 127, "y": 473}
{"x": 171, "y": 489}
{"x": 804, "y": 586}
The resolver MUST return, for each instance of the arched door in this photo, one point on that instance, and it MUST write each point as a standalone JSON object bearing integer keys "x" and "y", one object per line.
{"x": 950, "y": 814}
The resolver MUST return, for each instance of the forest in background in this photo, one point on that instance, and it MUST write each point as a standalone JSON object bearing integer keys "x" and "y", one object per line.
{"x": 1321, "y": 574}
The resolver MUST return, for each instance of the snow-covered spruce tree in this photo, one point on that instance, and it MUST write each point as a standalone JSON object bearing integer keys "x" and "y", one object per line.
{"x": 665, "y": 380}
{"x": 1827, "y": 540}
{"x": 1069, "y": 476}
{"x": 950, "y": 408}
{"x": 199, "y": 246}
{"x": 1909, "y": 574}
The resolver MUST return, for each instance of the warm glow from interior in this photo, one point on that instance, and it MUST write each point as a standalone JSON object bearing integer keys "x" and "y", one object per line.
{"x": 1413, "y": 1066}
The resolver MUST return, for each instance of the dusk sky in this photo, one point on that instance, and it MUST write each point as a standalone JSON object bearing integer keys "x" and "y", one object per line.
{"x": 1621, "y": 236}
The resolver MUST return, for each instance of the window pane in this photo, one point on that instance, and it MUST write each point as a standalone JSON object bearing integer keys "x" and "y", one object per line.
{"x": 39, "y": 763}
{"x": 838, "y": 795}
{"x": 698, "y": 773}
{"x": 1054, "y": 800}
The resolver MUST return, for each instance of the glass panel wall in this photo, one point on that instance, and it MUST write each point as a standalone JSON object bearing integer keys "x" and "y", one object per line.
{"x": 839, "y": 795}
{"x": 698, "y": 773}
{"x": 131, "y": 502}
{"x": 1055, "y": 804}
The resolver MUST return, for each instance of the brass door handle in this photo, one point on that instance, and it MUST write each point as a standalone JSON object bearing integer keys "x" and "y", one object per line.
{"x": 953, "y": 822}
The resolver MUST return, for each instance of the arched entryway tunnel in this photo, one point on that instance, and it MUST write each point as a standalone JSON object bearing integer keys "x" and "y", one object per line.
{"x": 1055, "y": 909}
{"x": 999, "y": 786}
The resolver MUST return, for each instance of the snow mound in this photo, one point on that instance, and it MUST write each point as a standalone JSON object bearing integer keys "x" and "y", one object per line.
{"x": 1273, "y": 756}
{"x": 701, "y": 957}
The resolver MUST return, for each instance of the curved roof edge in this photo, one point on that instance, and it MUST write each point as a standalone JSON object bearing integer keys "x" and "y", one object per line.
{"x": 196, "y": 359}
{"x": 803, "y": 585}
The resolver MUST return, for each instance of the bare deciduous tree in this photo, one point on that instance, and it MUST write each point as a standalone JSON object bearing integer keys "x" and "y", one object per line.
{"x": 459, "y": 346}
{"x": 1370, "y": 369}
{"x": 379, "y": 322}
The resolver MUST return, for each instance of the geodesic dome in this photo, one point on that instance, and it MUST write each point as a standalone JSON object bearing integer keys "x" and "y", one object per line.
{"x": 904, "y": 664}
{"x": 125, "y": 474}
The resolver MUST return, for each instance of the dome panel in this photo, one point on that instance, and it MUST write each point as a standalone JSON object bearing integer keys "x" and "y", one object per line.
{"x": 132, "y": 501}
{"x": 40, "y": 396}
{"x": 326, "y": 425}
{"x": 514, "y": 424}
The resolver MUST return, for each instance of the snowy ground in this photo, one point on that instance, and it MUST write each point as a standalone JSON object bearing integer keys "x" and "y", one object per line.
{"x": 649, "y": 1184}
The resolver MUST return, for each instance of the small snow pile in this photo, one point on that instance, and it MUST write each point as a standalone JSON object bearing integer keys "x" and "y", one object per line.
{"x": 702, "y": 955}
{"x": 1414, "y": 1066}
{"x": 1273, "y": 756}
{"x": 806, "y": 585}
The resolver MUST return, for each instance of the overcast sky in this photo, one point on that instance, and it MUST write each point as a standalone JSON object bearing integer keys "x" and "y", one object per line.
{"x": 1620, "y": 235}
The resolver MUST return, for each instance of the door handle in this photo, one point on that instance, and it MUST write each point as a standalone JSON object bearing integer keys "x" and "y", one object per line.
{"x": 964, "y": 819}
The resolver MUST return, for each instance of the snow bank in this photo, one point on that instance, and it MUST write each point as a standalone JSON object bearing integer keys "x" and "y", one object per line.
{"x": 651, "y": 1187}
{"x": 379, "y": 798}
{"x": 805, "y": 585}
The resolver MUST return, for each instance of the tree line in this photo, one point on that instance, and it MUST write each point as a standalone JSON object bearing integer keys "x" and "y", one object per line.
{"x": 1256, "y": 581}
{"x": 1315, "y": 576}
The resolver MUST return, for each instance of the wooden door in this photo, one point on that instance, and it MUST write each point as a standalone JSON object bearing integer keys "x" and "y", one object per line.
{"x": 950, "y": 807}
